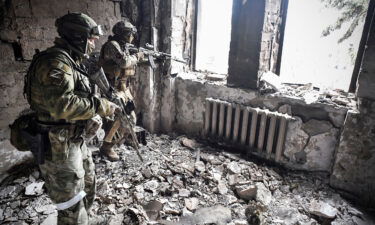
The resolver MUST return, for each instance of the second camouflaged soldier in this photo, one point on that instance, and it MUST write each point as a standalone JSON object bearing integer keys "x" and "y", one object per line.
{"x": 118, "y": 65}
{"x": 60, "y": 94}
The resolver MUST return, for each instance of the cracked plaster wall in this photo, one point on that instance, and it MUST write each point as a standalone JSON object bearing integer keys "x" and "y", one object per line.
{"x": 308, "y": 146}
{"x": 30, "y": 25}
{"x": 354, "y": 168}
{"x": 311, "y": 139}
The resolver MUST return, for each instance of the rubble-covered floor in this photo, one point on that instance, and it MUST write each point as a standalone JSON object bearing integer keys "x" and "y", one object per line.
{"x": 188, "y": 182}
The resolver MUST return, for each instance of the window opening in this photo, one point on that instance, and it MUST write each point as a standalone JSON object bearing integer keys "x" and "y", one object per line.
{"x": 213, "y": 35}
{"x": 314, "y": 54}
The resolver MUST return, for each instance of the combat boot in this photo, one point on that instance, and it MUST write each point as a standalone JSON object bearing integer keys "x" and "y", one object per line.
{"x": 107, "y": 150}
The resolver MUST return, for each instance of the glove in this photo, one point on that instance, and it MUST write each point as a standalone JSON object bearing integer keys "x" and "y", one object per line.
{"x": 92, "y": 126}
{"x": 140, "y": 56}
{"x": 107, "y": 108}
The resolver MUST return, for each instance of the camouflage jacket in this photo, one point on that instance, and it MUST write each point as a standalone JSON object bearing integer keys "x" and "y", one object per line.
{"x": 57, "y": 90}
{"x": 117, "y": 62}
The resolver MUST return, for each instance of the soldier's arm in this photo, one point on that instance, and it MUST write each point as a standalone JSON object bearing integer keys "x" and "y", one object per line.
{"x": 58, "y": 94}
{"x": 113, "y": 52}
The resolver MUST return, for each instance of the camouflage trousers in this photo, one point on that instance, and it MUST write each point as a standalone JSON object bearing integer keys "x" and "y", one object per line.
{"x": 69, "y": 177}
{"x": 124, "y": 133}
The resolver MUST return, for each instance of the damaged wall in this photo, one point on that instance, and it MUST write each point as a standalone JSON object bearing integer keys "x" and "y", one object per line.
{"x": 354, "y": 169}
{"x": 315, "y": 134}
{"x": 311, "y": 138}
{"x": 273, "y": 35}
{"x": 24, "y": 27}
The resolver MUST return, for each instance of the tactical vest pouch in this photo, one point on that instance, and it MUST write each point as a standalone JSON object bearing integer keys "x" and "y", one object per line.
{"x": 20, "y": 130}
{"x": 25, "y": 135}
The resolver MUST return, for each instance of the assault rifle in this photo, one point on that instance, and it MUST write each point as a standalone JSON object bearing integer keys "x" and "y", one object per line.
{"x": 121, "y": 119}
{"x": 149, "y": 51}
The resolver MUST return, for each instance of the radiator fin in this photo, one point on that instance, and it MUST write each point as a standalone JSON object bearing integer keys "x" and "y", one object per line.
{"x": 259, "y": 131}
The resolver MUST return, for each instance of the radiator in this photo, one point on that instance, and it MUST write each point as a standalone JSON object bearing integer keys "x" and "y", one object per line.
{"x": 258, "y": 131}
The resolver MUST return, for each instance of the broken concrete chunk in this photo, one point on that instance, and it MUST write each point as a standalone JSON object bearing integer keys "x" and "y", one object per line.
{"x": 8, "y": 213}
{"x": 240, "y": 222}
{"x": 103, "y": 189}
{"x": 10, "y": 191}
{"x": 35, "y": 188}
{"x": 116, "y": 219}
{"x": 191, "y": 203}
{"x": 190, "y": 143}
{"x": 320, "y": 151}
{"x": 222, "y": 187}
{"x": 188, "y": 166}
{"x": 296, "y": 138}
{"x": 184, "y": 192}
{"x": 272, "y": 80}
{"x": 1, "y": 215}
{"x": 256, "y": 176}
{"x": 15, "y": 204}
{"x": 247, "y": 192}
{"x": 211, "y": 159}
{"x": 314, "y": 127}
{"x": 147, "y": 173}
{"x": 263, "y": 195}
{"x": 322, "y": 209}
{"x": 212, "y": 215}
{"x": 215, "y": 77}
{"x": 153, "y": 209}
{"x": 233, "y": 179}
{"x": 337, "y": 118}
{"x": 200, "y": 166}
{"x": 230, "y": 199}
{"x": 234, "y": 168}
{"x": 112, "y": 208}
{"x": 286, "y": 109}
{"x": 135, "y": 215}
{"x": 169, "y": 210}
{"x": 186, "y": 212}
{"x": 151, "y": 185}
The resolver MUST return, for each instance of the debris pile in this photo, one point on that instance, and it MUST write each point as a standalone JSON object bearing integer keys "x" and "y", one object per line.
{"x": 185, "y": 182}
{"x": 270, "y": 83}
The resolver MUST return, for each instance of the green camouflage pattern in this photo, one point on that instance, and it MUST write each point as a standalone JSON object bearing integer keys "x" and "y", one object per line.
{"x": 60, "y": 93}
{"x": 57, "y": 91}
{"x": 117, "y": 63}
{"x": 70, "y": 171}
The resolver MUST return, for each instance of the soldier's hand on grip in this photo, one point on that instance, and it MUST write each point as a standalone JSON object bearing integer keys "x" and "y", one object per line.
{"x": 107, "y": 108}
{"x": 140, "y": 56}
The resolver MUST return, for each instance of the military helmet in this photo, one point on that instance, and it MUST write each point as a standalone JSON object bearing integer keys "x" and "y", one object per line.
{"x": 76, "y": 28}
{"x": 124, "y": 28}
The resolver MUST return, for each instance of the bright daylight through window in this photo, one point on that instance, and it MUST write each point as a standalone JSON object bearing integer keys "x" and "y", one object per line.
{"x": 213, "y": 35}
{"x": 313, "y": 55}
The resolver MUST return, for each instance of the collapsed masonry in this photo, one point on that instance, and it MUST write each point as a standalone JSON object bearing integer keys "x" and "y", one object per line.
{"x": 186, "y": 182}
{"x": 332, "y": 132}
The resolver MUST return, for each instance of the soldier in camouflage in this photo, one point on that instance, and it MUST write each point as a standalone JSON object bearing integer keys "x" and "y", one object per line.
{"x": 60, "y": 94}
{"x": 119, "y": 65}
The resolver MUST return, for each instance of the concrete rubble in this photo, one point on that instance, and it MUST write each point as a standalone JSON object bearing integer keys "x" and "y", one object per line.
{"x": 169, "y": 188}
{"x": 308, "y": 93}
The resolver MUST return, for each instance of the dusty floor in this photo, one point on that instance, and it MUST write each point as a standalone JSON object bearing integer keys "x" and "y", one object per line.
{"x": 189, "y": 182}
